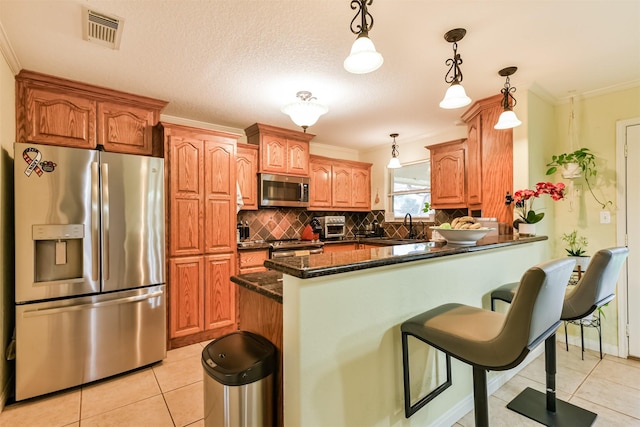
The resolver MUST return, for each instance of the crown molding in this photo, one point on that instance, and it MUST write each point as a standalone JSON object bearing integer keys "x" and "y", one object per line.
{"x": 8, "y": 53}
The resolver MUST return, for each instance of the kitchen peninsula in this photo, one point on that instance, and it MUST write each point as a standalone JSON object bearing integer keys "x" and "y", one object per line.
{"x": 341, "y": 316}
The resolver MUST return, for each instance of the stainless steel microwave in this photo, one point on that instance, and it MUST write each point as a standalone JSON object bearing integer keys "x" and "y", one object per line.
{"x": 283, "y": 190}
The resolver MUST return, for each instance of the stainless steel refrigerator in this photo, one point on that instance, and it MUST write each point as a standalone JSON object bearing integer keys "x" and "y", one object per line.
{"x": 90, "y": 265}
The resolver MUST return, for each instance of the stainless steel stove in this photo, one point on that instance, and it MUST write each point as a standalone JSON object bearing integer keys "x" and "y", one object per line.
{"x": 287, "y": 248}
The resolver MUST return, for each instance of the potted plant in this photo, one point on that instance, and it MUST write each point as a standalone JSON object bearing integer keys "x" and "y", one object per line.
{"x": 426, "y": 209}
{"x": 576, "y": 248}
{"x": 527, "y": 217}
{"x": 579, "y": 163}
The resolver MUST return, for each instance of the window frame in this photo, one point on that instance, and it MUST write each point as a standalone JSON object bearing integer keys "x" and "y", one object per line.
{"x": 391, "y": 194}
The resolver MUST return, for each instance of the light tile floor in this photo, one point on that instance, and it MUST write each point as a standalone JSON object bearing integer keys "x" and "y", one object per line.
{"x": 169, "y": 394}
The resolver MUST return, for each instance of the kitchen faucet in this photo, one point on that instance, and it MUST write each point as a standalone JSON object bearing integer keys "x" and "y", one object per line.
{"x": 410, "y": 236}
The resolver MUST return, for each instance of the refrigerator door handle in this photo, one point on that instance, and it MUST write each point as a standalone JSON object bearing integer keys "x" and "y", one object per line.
{"x": 95, "y": 223}
{"x": 105, "y": 220}
{"x": 66, "y": 309}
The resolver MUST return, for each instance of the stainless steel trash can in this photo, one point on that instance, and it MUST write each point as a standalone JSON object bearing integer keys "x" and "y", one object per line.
{"x": 238, "y": 381}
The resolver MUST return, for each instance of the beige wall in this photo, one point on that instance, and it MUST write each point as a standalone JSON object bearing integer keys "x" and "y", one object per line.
{"x": 7, "y": 136}
{"x": 596, "y": 129}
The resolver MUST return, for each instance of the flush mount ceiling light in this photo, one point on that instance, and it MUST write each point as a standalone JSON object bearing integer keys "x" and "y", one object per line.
{"x": 305, "y": 111}
{"x": 363, "y": 57}
{"x": 508, "y": 118}
{"x": 394, "y": 163}
{"x": 455, "y": 97}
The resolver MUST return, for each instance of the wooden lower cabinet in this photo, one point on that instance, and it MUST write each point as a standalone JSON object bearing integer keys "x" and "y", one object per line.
{"x": 262, "y": 315}
{"x": 202, "y": 299}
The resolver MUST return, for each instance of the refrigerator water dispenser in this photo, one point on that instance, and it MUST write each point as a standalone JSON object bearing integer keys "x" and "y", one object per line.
{"x": 58, "y": 252}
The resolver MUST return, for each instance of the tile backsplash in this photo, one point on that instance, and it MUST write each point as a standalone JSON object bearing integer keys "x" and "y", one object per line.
{"x": 288, "y": 223}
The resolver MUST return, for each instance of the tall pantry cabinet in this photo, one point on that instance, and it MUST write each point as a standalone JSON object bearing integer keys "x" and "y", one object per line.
{"x": 201, "y": 174}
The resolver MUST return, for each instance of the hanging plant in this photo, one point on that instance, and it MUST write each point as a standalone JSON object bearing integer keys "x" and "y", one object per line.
{"x": 586, "y": 161}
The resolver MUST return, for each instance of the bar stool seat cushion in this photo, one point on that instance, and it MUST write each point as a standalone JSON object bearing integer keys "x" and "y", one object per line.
{"x": 493, "y": 340}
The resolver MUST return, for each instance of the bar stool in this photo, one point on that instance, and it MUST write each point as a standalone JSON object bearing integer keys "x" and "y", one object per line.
{"x": 595, "y": 289}
{"x": 487, "y": 340}
{"x": 587, "y": 295}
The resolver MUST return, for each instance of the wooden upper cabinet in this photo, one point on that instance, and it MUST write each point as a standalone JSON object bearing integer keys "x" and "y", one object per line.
{"x": 56, "y": 118}
{"x": 361, "y": 188}
{"x": 273, "y": 154}
{"x": 490, "y": 160}
{"x": 319, "y": 183}
{"x": 202, "y": 190}
{"x": 246, "y": 175}
{"x": 448, "y": 175}
{"x": 186, "y": 196}
{"x": 55, "y": 111}
{"x": 281, "y": 151}
{"x": 339, "y": 184}
{"x": 220, "y": 195}
{"x": 298, "y": 157}
{"x": 341, "y": 187}
{"x": 125, "y": 129}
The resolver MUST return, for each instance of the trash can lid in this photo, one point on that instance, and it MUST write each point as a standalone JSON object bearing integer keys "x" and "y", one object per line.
{"x": 239, "y": 358}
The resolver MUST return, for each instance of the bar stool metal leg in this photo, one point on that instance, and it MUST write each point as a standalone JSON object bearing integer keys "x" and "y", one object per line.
{"x": 480, "y": 399}
{"x": 545, "y": 408}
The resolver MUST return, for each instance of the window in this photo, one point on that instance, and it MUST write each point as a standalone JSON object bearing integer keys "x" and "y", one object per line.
{"x": 410, "y": 189}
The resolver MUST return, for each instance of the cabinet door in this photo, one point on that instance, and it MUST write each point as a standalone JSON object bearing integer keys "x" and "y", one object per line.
{"x": 220, "y": 292}
{"x": 474, "y": 166}
{"x": 341, "y": 186}
{"x": 246, "y": 175}
{"x": 298, "y": 157}
{"x": 124, "y": 128}
{"x": 447, "y": 179}
{"x": 219, "y": 196}
{"x": 320, "y": 185}
{"x": 186, "y": 201}
{"x": 60, "y": 119}
{"x": 361, "y": 188}
{"x": 273, "y": 154}
{"x": 186, "y": 296}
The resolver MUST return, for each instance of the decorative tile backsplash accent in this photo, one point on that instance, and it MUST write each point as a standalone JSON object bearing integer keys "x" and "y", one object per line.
{"x": 288, "y": 223}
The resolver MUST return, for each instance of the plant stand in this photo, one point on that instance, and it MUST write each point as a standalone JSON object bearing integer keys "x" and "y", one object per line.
{"x": 589, "y": 322}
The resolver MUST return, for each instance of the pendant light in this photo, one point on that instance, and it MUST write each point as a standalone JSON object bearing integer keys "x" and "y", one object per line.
{"x": 455, "y": 97}
{"x": 363, "y": 57}
{"x": 508, "y": 118}
{"x": 305, "y": 111}
{"x": 394, "y": 163}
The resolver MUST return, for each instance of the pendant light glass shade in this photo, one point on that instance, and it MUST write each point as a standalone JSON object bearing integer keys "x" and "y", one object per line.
{"x": 394, "y": 163}
{"x": 455, "y": 97}
{"x": 305, "y": 111}
{"x": 363, "y": 57}
{"x": 507, "y": 120}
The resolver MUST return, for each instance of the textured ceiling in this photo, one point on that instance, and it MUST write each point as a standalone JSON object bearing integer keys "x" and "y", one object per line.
{"x": 236, "y": 62}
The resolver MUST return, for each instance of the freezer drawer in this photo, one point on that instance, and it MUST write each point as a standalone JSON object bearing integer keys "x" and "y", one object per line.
{"x": 64, "y": 343}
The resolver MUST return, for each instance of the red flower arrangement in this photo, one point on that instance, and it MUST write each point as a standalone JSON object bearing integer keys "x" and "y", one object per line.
{"x": 524, "y": 200}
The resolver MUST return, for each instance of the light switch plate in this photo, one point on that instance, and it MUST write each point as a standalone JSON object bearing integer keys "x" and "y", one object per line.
{"x": 605, "y": 217}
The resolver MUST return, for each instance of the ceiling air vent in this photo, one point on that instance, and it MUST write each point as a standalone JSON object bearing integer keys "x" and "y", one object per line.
{"x": 102, "y": 29}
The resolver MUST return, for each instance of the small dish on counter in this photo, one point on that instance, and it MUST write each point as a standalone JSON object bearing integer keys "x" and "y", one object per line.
{"x": 462, "y": 237}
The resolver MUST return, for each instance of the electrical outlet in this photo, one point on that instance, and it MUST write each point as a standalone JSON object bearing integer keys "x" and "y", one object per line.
{"x": 605, "y": 217}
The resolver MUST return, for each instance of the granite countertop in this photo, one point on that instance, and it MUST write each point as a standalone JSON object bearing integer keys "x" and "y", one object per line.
{"x": 267, "y": 283}
{"x": 328, "y": 263}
